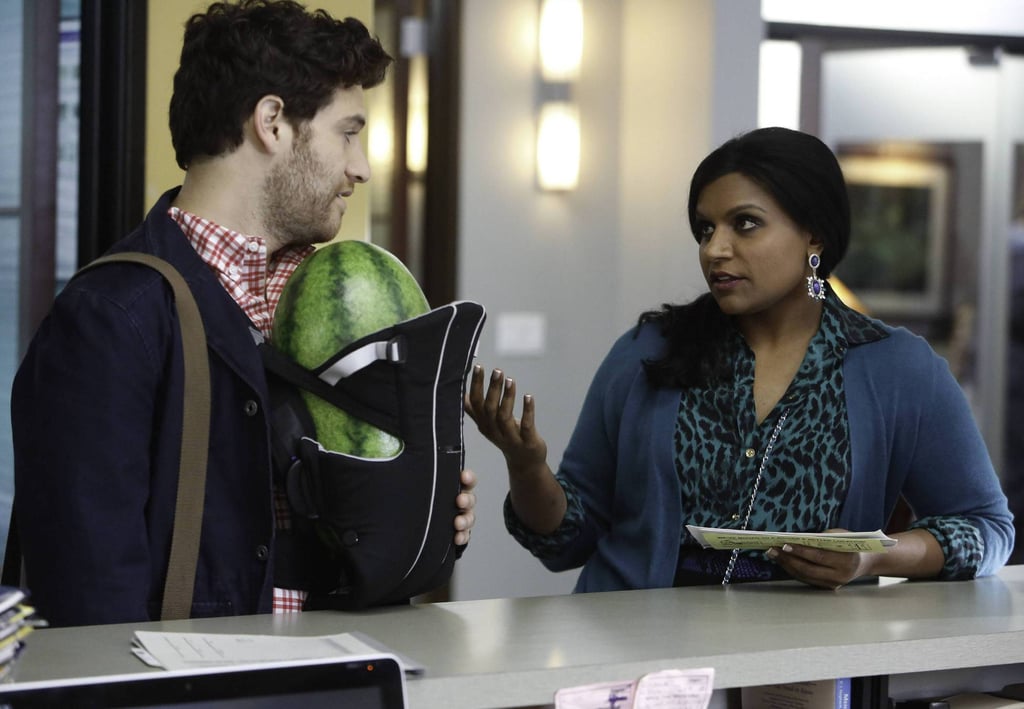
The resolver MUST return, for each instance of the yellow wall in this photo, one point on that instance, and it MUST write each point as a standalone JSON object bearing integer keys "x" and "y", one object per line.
{"x": 166, "y": 25}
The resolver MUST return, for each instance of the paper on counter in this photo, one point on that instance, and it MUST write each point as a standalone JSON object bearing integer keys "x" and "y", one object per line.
{"x": 603, "y": 695}
{"x": 176, "y": 651}
{"x": 716, "y": 538}
{"x": 682, "y": 689}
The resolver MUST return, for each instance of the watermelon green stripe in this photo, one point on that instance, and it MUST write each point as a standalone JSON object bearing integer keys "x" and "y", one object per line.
{"x": 398, "y": 297}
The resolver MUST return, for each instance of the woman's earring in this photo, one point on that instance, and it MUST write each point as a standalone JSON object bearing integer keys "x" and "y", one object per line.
{"x": 815, "y": 285}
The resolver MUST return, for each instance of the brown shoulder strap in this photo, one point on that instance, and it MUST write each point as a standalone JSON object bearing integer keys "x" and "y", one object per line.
{"x": 195, "y": 436}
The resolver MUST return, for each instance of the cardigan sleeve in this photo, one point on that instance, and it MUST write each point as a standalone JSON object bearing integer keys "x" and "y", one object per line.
{"x": 548, "y": 546}
{"x": 929, "y": 449}
{"x": 951, "y": 484}
{"x": 588, "y": 468}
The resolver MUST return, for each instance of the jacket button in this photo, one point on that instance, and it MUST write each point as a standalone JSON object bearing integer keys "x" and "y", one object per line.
{"x": 250, "y": 408}
{"x": 262, "y": 552}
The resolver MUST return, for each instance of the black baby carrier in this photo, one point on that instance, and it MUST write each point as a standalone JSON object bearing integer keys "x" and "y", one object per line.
{"x": 386, "y": 523}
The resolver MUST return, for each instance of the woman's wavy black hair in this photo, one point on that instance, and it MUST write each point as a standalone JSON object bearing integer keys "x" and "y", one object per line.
{"x": 236, "y": 53}
{"x": 803, "y": 176}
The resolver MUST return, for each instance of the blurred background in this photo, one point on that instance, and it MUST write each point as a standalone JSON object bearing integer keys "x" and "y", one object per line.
{"x": 549, "y": 183}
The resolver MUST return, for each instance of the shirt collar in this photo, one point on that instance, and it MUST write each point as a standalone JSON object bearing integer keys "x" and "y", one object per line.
{"x": 230, "y": 252}
{"x": 850, "y": 326}
{"x": 241, "y": 266}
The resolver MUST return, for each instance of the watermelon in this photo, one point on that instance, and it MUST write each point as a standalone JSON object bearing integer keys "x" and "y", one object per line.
{"x": 343, "y": 291}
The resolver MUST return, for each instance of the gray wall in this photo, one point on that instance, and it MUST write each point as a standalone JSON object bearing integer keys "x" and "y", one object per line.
{"x": 586, "y": 262}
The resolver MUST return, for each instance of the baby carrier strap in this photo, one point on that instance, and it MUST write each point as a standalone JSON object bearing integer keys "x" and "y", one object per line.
{"x": 354, "y": 399}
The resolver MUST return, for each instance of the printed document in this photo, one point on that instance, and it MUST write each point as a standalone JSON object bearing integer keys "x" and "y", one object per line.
{"x": 177, "y": 651}
{"x": 675, "y": 689}
{"x": 717, "y": 538}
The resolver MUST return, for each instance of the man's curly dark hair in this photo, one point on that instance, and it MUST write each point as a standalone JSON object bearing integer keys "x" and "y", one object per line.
{"x": 236, "y": 53}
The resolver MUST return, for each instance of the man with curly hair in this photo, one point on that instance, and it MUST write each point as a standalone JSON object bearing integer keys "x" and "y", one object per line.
{"x": 266, "y": 116}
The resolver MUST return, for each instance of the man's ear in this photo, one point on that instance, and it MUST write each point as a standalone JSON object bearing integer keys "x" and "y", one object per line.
{"x": 269, "y": 125}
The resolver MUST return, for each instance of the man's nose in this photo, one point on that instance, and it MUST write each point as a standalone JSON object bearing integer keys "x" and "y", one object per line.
{"x": 358, "y": 168}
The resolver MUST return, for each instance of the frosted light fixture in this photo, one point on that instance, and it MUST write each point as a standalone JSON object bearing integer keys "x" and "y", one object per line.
{"x": 560, "y": 39}
{"x": 558, "y": 146}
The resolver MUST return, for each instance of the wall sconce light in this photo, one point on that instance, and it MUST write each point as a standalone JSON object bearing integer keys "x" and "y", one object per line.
{"x": 560, "y": 51}
{"x": 558, "y": 146}
{"x": 560, "y": 39}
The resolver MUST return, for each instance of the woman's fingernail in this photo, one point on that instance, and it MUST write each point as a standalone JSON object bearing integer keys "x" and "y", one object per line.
{"x": 772, "y": 553}
{"x": 786, "y": 547}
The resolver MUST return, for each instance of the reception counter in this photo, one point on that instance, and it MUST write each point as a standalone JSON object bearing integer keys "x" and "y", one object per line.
{"x": 928, "y": 638}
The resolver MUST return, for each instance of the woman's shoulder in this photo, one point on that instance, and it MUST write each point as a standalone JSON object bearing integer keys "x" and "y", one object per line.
{"x": 896, "y": 341}
{"x": 899, "y": 359}
{"x": 642, "y": 341}
{"x": 625, "y": 358}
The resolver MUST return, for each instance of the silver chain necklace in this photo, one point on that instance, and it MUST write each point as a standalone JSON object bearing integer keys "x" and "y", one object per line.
{"x": 753, "y": 493}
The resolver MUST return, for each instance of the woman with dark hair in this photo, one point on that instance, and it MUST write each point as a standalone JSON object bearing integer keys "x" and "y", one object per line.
{"x": 766, "y": 403}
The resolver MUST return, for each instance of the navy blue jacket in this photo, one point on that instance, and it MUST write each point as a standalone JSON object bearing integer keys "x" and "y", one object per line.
{"x": 96, "y": 411}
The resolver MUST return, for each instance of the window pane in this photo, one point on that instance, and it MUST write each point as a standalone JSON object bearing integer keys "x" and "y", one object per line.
{"x": 8, "y": 363}
{"x": 10, "y": 196}
{"x": 10, "y": 103}
{"x": 67, "y": 140}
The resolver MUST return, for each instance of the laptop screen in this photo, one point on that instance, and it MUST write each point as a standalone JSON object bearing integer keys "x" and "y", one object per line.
{"x": 361, "y": 683}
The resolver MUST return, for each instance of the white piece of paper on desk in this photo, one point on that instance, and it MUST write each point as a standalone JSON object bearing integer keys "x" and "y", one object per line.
{"x": 716, "y": 538}
{"x": 176, "y": 651}
{"x": 667, "y": 689}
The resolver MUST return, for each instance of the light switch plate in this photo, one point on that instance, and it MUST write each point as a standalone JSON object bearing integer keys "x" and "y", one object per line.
{"x": 521, "y": 333}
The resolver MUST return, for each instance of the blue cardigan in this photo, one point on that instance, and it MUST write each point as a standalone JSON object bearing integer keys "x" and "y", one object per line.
{"x": 96, "y": 412}
{"x": 911, "y": 432}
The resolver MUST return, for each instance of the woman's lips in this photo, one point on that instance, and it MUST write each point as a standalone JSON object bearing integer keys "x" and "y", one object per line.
{"x": 723, "y": 281}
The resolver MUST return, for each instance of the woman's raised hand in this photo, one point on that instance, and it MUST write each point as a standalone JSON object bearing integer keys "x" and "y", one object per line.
{"x": 537, "y": 498}
{"x": 518, "y": 440}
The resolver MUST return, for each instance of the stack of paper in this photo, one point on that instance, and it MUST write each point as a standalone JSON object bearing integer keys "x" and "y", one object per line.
{"x": 717, "y": 538}
{"x": 183, "y": 651}
{"x": 688, "y": 689}
{"x": 16, "y": 621}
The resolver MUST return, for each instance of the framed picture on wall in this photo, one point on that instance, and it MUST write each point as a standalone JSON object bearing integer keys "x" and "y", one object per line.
{"x": 900, "y": 215}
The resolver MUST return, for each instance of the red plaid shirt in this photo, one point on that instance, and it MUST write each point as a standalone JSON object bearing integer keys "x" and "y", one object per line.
{"x": 255, "y": 283}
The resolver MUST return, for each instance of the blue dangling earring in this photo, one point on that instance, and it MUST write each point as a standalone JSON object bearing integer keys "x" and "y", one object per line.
{"x": 815, "y": 286}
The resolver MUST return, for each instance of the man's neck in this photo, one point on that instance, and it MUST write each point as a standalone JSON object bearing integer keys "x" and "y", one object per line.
{"x": 221, "y": 193}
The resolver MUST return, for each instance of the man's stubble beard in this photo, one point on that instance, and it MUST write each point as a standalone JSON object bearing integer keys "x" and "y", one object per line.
{"x": 297, "y": 198}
